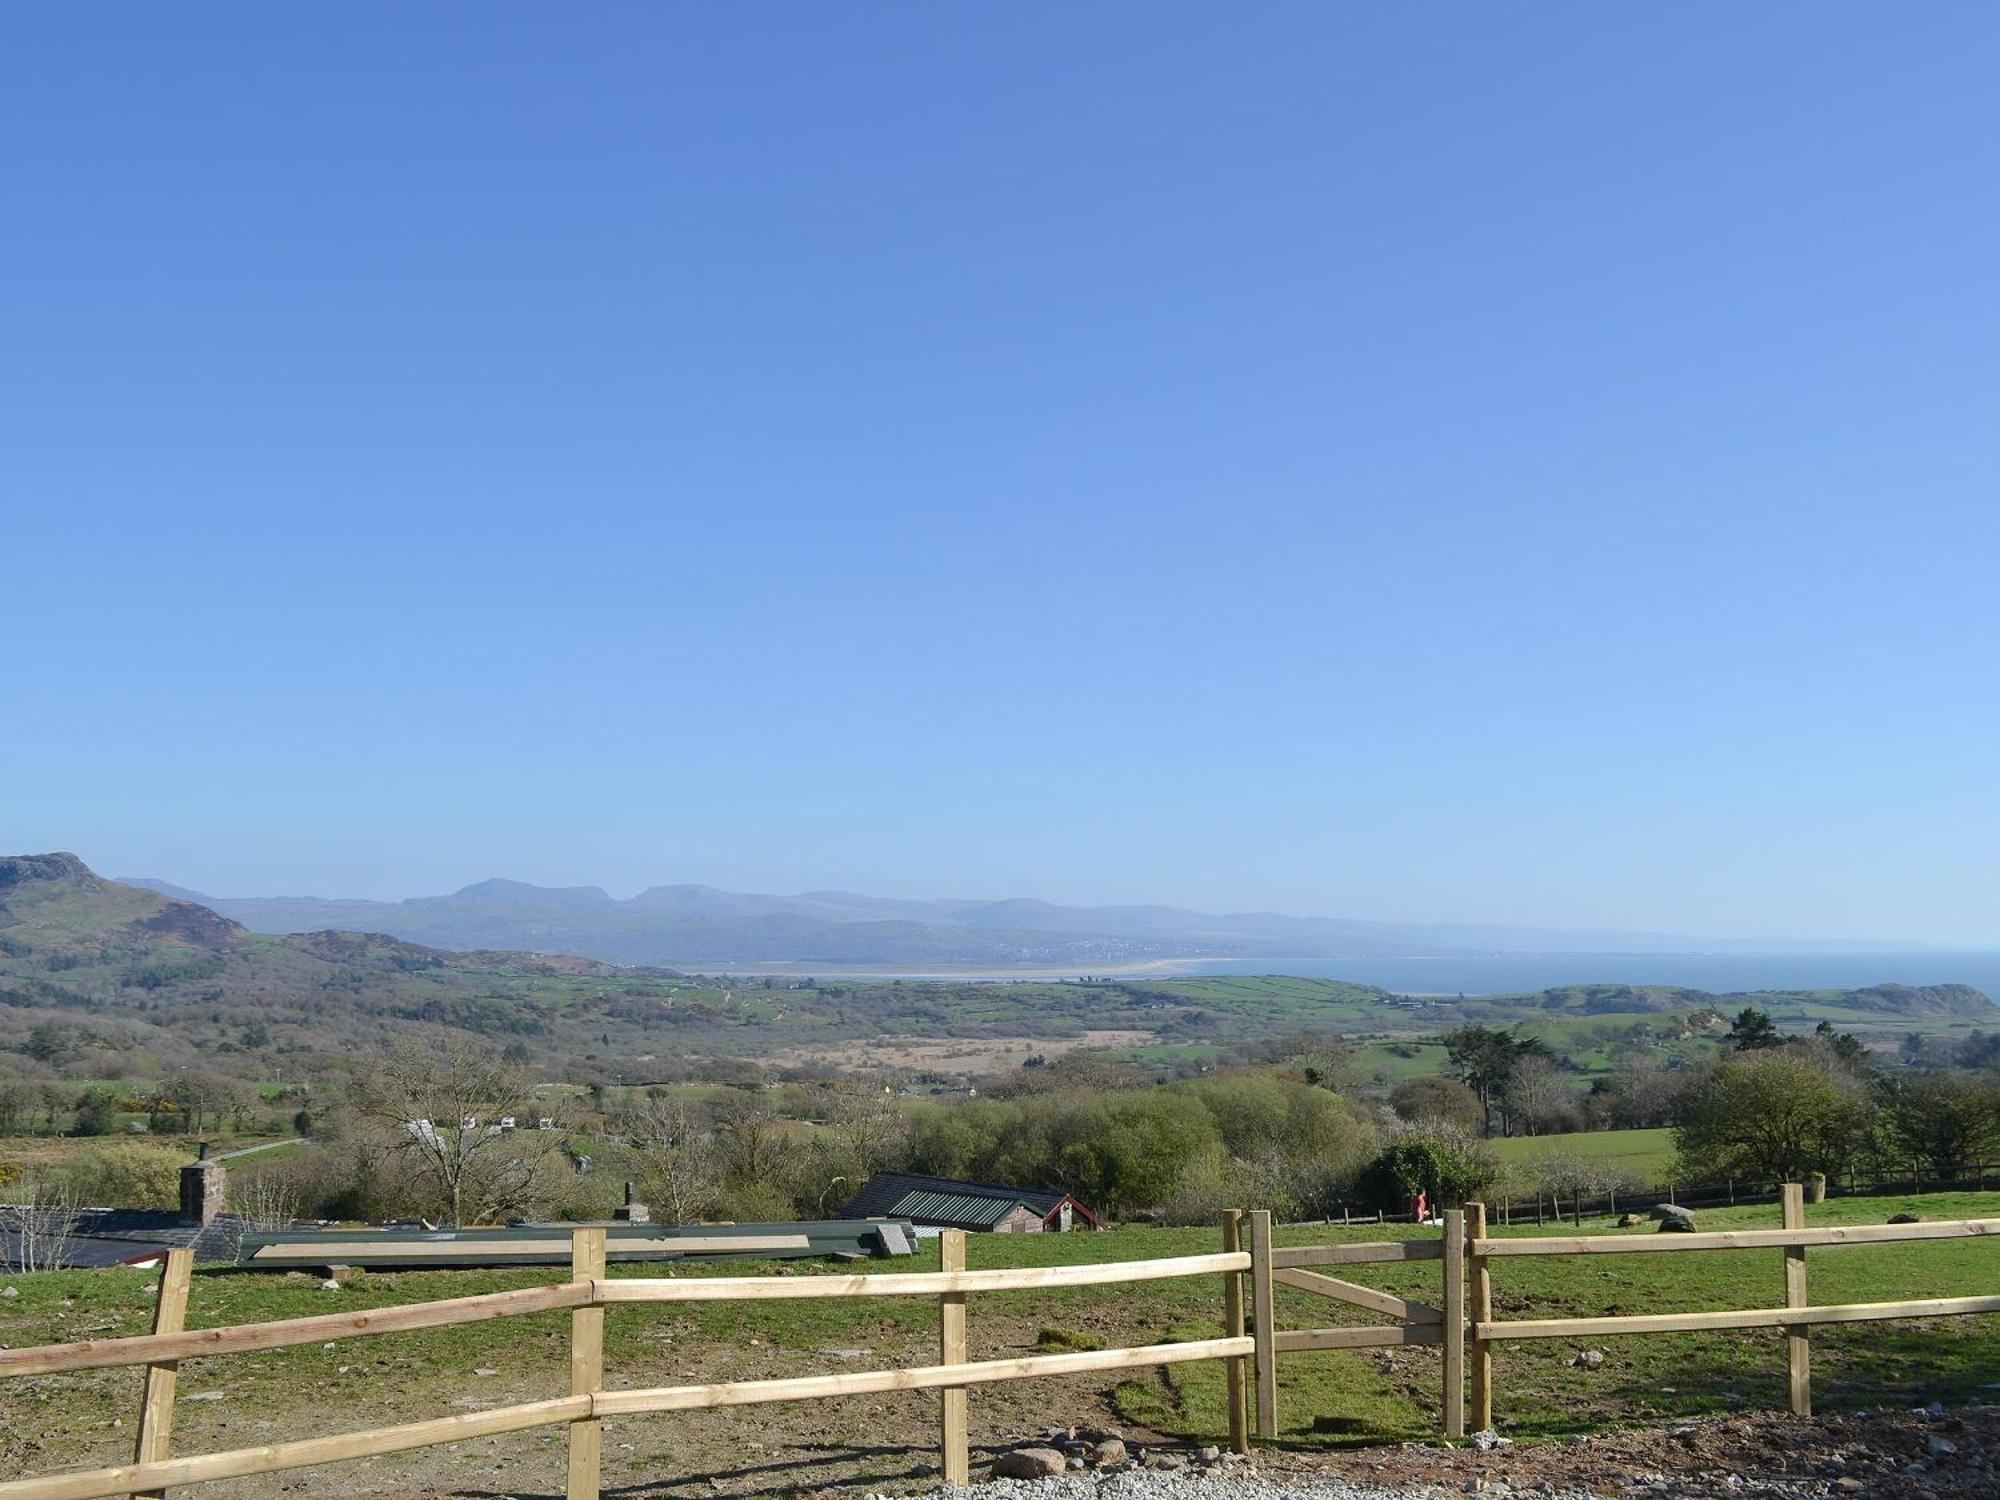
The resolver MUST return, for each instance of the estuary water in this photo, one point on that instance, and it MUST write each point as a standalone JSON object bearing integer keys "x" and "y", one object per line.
{"x": 1507, "y": 973}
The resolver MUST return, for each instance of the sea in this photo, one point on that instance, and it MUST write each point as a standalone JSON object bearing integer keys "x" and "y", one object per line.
{"x": 1512, "y": 973}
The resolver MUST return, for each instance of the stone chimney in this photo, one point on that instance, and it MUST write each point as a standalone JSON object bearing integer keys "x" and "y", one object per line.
{"x": 203, "y": 1183}
{"x": 632, "y": 1211}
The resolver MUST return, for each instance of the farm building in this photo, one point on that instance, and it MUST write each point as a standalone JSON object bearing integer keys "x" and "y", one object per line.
{"x": 947, "y": 1203}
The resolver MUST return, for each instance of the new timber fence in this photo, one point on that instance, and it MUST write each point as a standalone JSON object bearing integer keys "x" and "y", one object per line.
{"x": 587, "y": 1295}
{"x": 1460, "y": 1323}
{"x": 1797, "y": 1317}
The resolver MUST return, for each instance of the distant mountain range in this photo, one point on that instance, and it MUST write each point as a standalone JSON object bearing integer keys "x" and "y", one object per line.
{"x": 107, "y": 977}
{"x": 695, "y": 925}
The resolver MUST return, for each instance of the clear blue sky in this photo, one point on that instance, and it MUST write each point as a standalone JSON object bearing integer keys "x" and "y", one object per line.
{"x": 1526, "y": 463}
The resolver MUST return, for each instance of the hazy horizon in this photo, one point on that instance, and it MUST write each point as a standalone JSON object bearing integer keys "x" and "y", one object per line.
{"x": 1784, "y": 941}
{"x": 1519, "y": 468}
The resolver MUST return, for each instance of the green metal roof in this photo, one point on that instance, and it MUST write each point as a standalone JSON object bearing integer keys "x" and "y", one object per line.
{"x": 954, "y": 1208}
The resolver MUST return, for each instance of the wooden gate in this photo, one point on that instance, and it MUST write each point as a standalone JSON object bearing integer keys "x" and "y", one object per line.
{"x": 1415, "y": 1322}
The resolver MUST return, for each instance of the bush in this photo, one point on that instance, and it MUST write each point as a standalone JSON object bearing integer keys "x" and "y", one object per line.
{"x": 1447, "y": 1164}
{"x": 1445, "y": 1099}
{"x": 754, "y": 1203}
{"x": 124, "y": 1174}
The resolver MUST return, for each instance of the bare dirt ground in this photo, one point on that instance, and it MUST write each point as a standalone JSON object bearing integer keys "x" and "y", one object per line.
{"x": 1889, "y": 1455}
{"x": 963, "y": 1055}
{"x": 843, "y": 1450}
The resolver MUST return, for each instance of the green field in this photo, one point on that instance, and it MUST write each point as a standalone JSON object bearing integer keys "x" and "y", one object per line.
{"x": 1644, "y": 1153}
{"x": 1332, "y": 1398}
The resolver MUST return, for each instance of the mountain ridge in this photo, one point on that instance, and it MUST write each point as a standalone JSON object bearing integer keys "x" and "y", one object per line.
{"x": 692, "y": 924}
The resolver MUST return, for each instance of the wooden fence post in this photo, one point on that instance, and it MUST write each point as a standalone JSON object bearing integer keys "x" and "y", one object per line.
{"x": 1232, "y": 1327}
{"x": 1482, "y": 1314}
{"x": 1454, "y": 1322}
{"x": 1263, "y": 1309}
{"x": 586, "y": 1367}
{"x": 1798, "y": 1338}
{"x": 951, "y": 1351}
{"x": 156, "y": 1416}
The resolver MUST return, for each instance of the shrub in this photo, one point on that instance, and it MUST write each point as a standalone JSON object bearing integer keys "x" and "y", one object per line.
{"x": 754, "y": 1203}
{"x": 1444, "y": 1162}
{"x": 124, "y": 1174}
{"x": 1446, "y": 1099}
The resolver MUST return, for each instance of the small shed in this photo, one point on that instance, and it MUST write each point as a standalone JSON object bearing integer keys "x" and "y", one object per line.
{"x": 949, "y": 1203}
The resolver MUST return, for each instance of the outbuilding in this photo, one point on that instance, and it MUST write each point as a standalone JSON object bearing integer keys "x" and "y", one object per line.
{"x": 949, "y": 1203}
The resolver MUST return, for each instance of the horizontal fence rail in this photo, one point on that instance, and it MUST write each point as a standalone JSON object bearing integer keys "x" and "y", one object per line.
{"x": 911, "y": 1283}
{"x": 1735, "y": 1239}
{"x": 147, "y": 1348}
{"x": 1761, "y": 1317}
{"x": 272, "y": 1458}
{"x": 922, "y": 1378}
{"x": 1382, "y": 1253}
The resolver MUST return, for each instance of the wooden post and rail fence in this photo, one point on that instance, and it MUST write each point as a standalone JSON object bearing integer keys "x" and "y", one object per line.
{"x": 1461, "y": 1324}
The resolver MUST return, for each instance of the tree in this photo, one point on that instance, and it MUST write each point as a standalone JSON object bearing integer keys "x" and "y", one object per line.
{"x": 41, "y": 1226}
{"x": 1770, "y": 1115}
{"x": 1942, "y": 1122}
{"x": 48, "y": 1043}
{"x": 750, "y": 1134}
{"x": 1642, "y": 1092}
{"x": 1754, "y": 1031}
{"x": 16, "y": 1104}
{"x": 1484, "y": 1057}
{"x": 1536, "y": 1094}
{"x": 1844, "y": 1047}
{"x": 438, "y": 1104}
{"x": 1437, "y": 1098}
{"x": 97, "y": 1111}
{"x": 675, "y": 1159}
{"x": 1127, "y": 1151}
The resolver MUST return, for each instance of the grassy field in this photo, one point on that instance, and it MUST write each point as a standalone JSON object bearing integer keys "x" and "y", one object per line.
{"x": 1331, "y": 1398}
{"x": 1648, "y": 1154}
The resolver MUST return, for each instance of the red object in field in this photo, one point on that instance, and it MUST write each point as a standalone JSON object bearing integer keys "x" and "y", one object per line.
{"x": 1419, "y": 1208}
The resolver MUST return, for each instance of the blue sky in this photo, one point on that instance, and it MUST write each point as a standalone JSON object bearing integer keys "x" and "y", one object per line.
{"x": 1525, "y": 464}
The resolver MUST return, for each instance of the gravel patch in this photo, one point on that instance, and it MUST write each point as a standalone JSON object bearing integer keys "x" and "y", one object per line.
{"x": 1922, "y": 1453}
{"x": 1146, "y": 1484}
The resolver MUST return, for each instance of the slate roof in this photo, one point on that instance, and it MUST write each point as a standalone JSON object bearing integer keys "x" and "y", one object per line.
{"x": 116, "y": 1236}
{"x": 949, "y": 1201}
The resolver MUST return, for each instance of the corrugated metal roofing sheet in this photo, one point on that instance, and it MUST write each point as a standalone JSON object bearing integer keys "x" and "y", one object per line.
{"x": 953, "y": 1208}
{"x": 884, "y": 1190}
{"x": 549, "y": 1244}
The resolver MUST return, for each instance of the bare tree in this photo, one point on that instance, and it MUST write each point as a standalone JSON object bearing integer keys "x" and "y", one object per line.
{"x": 41, "y": 1225}
{"x": 267, "y": 1200}
{"x": 676, "y": 1159}
{"x": 439, "y": 1105}
{"x": 1536, "y": 1093}
{"x": 750, "y": 1134}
